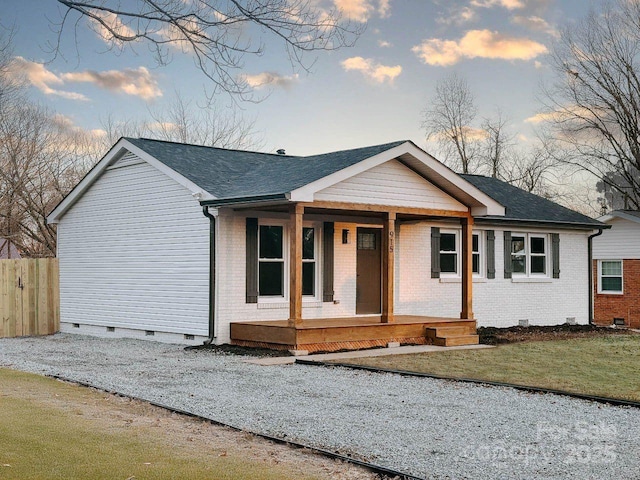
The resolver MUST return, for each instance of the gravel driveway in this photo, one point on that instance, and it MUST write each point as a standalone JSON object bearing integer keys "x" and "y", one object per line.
{"x": 426, "y": 427}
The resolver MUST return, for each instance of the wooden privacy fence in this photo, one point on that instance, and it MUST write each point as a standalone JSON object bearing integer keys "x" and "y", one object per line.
{"x": 29, "y": 297}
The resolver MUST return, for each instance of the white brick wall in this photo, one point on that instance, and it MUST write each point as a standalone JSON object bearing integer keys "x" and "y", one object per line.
{"x": 497, "y": 302}
{"x": 231, "y": 281}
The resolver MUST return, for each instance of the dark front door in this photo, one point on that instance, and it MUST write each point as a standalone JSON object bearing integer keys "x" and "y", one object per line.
{"x": 368, "y": 266}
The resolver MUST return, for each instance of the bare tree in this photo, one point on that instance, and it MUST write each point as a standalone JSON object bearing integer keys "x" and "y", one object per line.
{"x": 41, "y": 159}
{"x": 448, "y": 120}
{"x": 218, "y": 33}
{"x": 594, "y": 106}
{"x": 498, "y": 144}
{"x": 534, "y": 171}
{"x": 185, "y": 122}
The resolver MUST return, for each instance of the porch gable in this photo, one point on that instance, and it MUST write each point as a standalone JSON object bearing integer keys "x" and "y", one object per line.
{"x": 390, "y": 183}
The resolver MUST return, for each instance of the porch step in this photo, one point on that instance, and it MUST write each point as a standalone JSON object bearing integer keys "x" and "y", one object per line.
{"x": 456, "y": 340}
{"x": 433, "y": 332}
{"x": 452, "y": 336}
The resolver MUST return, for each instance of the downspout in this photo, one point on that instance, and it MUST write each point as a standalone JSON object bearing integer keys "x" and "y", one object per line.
{"x": 590, "y": 270}
{"x": 212, "y": 275}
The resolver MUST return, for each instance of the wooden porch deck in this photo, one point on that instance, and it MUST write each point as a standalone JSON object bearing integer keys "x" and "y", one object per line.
{"x": 354, "y": 333}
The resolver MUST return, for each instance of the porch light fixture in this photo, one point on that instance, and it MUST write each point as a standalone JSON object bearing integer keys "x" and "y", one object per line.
{"x": 346, "y": 237}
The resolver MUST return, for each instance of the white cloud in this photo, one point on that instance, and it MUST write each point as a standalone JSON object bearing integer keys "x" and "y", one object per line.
{"x": 384, "y": 44}
{"x": 266, "y": 79}
{"x": 384, "y": 8}
{"x": 110, "y": 28}
{"x": 66, "y": 125}
{"x": 362, "y": 10}
{"x": 137, "y": 82}
{"x": 563, "y": 114}
{"x": 40, "y": 77}
{"x": 508, "y": 4}
{"x": 477, "y": 44}
{"x": 374, "y": 71}
{"x": 458, "y": 16}
{"x": 536, "y": 23}
{"x": 357, "y": 10}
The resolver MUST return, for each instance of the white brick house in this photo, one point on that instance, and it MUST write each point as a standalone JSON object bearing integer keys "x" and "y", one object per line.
{"x": 356, "y": 248}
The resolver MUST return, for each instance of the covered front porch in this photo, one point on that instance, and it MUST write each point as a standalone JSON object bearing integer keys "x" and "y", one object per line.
{"x": 375, "y": 324}
{"x": 353, "y": 333}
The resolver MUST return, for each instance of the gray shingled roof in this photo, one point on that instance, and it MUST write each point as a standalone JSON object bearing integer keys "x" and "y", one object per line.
{"x": 228, "y": 174}
{"x": 523, "y": 206}
{"x": 234, "y": 174}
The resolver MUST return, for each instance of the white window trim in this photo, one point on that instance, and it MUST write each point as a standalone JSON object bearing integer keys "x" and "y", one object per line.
{"x": 516, "y": 276}
{"x": 610, "y": 292}
{"x": 284, "y": 299}
{"x": 449, "y": 277}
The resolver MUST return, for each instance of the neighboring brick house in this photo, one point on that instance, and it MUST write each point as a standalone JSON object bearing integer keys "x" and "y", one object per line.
{"x": 347, "y": 249}
{"x": 616, "y": 270}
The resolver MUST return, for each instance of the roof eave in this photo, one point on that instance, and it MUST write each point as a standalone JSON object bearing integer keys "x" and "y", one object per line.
{"x": 542, "y": 223}
{"x": 247, "y": 201}
{"x": 619, "y": 214}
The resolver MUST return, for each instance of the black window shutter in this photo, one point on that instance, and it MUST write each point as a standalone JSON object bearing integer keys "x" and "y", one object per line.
{"x": 555, "y": 254}
{"x": 507, "y": 255}
{"x": 252, "y": 260}
{"x": 327, "y": 262}
{"x": 435, "y": 252}
{"x": 491, "y": 254}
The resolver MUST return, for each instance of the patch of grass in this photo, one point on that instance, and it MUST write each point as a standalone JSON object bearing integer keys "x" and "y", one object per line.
{"x": 54, "y": 430}
{"x": 606, "y": 366}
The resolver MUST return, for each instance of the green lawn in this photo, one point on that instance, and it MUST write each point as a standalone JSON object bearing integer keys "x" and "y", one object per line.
{"x": 53, "y": 430}
{"x": 607, "y": 366}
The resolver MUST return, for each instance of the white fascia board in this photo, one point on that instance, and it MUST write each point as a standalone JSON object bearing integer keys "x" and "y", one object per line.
{"x": 114, "y": 153}
{"x": 485, "y": 204}
{"x": 615, "y": 214}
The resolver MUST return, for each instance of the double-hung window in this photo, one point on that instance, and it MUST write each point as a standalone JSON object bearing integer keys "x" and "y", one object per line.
{"x": 477, "y": 258}
{"x": 610, "y": 276}
{"x": 529, "y": 254}
{"x": 271, "y": 272}
{"x": 450, "y": 253}
{"x": 309, "y": 261}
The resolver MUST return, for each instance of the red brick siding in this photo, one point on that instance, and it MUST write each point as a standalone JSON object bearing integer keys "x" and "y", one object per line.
{"x": 606, "y": 307}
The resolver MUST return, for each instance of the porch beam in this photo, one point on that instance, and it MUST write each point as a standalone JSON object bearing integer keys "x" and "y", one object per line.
{"x": 362, "y": 207}
{"x": 295, "y": 262}
{"x": 467, "y": 268}
{"x": 388, "y": 266}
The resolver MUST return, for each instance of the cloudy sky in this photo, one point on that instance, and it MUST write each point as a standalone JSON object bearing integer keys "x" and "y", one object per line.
{"x": 372, "y": 93}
